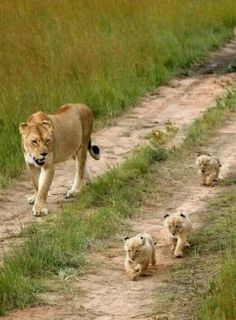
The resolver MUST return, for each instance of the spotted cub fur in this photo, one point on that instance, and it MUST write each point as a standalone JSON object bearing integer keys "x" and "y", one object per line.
{"x": 140, "y": 251}
{"x": 209, "y": 168}
{"x": 179, "y": 226}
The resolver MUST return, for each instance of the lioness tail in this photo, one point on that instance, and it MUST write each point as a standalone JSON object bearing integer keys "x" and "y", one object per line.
{"x": 94, "y": 151}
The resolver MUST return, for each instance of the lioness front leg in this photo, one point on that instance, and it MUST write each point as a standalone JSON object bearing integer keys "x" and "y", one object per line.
{"x": 34, "y": 173}
{"x": 80, "y": 176}
{"x": 45, "y": 180}
{"x": 182, "y": 240}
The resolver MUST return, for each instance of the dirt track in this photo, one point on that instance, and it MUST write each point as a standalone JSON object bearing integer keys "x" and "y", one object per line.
{"x": 106, "y": 293}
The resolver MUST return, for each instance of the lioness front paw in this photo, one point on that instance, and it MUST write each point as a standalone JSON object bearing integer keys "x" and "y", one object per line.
{"x": 39, "y": 211}
{"x": 178, "y": 254}
{"x": 31, "y": 199}
{"x": 71, "y": 193}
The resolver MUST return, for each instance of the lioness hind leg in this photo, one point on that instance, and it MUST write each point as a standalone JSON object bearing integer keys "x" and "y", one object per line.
{"x": 80, "y": 174}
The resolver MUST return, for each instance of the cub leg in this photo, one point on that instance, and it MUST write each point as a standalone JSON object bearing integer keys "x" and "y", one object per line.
{"x": 173, "y": 243}
{"x": 203, "y": 179}
{"x": 153, "y": 258}
{"x": 45, "y": 180}
{"x": 211, "y": 178}
{"x": 80, "y": 174}
{"x": 182, "y": 240}
{"x": 34, "y": 173}
{"x": 144, "y": 267}
{"x": 132, "y": 270}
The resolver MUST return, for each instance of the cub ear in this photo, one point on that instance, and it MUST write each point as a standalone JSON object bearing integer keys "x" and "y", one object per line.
{"x": 166, "y": 215}
{"x": 22, "y": 127}
{"x": 48, "y": 125}
{"x": 183, "y": 215}
{"x": 126, "y": 238}
{"x": 143, "y": 239}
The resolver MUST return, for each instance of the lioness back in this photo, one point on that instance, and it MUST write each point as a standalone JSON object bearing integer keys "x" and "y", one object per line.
{"x": 72, "y": 126}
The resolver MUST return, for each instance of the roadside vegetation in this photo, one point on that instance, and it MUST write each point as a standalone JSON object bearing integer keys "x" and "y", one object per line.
{"x": 103, "y": 53}
{"x": 206, "y": 279}
{"x": 57, "y": 245}
{"x": 219, "y": 302}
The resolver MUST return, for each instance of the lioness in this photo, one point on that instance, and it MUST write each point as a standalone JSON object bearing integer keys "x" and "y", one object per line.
{"x": 209, "y": 168}
{"x": 48, "y": 139}
{"x": 140, "y": 251}
{"x": 179, "y": 226}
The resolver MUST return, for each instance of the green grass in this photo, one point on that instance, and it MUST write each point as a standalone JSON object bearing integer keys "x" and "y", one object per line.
{"x": 59, "y": 243}
{"x": 219, "y": 303}
{"x": 103, "y": 53}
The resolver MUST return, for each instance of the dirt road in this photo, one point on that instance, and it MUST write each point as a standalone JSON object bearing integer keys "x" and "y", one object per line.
{"x": 106, "y": 294}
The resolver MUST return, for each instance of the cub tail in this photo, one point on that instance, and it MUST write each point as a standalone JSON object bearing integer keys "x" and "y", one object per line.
{"x": 94, "y": 151}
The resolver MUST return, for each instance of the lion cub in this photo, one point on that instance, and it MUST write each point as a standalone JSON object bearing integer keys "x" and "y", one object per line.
{"x": 140, "y": 251}
{"x": 209, "y": 168}
{"x": 179, "y": 226}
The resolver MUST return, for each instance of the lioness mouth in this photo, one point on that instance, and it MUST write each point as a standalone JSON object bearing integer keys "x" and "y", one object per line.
{"x": 39, "y": 162}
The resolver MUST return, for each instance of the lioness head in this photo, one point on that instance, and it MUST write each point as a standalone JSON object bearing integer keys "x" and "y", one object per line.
{"x": 175, "y": 223}
{"x": 37, "y": 140}
{"x": 134, "y": 246}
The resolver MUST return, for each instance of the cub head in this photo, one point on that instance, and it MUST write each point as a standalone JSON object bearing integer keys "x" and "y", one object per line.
{"x": 37, "y": 140}
{"x": 133, "y": 246}
{"x": 175, "y": 223}
{"x": 203, "y": 162}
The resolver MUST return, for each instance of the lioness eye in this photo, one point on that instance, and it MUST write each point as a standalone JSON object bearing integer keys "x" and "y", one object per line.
{"x": 136, "y": 251}
{"x": 129, "y": 250}
{"x": 47, "y": 141}
{"x": 34, "y": 141}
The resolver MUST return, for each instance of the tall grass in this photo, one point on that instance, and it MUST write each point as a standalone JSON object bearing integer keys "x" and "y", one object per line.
{"x": 103, "y": 53}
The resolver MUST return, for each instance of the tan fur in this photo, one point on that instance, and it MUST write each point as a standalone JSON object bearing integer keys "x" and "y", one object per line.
{"x": 140, "y": 251}
{"x": 179, "y": 226}
{"x": 48, "y": 139}
{"x": 209, "y": 168}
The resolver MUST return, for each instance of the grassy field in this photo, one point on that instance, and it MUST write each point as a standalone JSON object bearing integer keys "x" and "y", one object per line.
{"x": 58, "y": 248}
{"x": 104, "y": 53}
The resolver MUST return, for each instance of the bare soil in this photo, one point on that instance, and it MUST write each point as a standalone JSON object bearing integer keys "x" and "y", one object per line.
{"x": 104, "y": 292}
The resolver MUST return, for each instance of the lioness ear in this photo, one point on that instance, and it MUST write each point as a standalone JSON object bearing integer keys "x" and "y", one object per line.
{"x": 126, "y": 238}
{"x": 48, "y": 125}
{"x": 22, "y": 127}
{"x": 183, "y": 215}
{"x": 166, "y": 215}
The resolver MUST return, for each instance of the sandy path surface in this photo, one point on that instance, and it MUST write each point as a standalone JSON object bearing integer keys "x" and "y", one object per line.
{"x": 107, "y": 294}
{"x": 181, "y": 102}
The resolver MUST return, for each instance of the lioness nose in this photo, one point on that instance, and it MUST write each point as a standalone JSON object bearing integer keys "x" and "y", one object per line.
{"x": 44, "y": 154}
